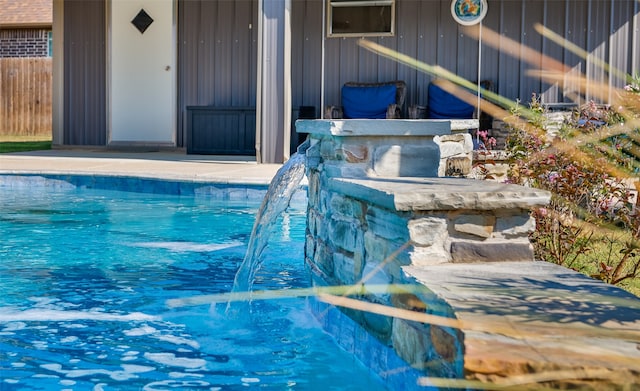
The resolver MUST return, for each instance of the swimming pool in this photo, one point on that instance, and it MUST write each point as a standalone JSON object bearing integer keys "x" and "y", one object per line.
{"x": 85, "y": 274}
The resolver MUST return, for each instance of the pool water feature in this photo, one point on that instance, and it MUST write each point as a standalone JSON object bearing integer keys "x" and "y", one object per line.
{"x": 277, "y": 199}
{"x": 85, "y": 275}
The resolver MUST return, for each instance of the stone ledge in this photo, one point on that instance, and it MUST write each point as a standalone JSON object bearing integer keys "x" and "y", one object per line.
{"x": 528, "y": 318}
{"x": 385, "y": 127}
{"x": 478, "y": 252}
{"x": 431, "y": 194}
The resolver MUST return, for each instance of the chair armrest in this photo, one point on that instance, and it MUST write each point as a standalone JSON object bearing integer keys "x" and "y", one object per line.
{"x": 393, "y": 111}
{"x": 333, "y": 112}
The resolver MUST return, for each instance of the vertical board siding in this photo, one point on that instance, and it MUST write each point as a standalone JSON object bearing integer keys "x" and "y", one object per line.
{"x": 312, "y": 46}
{"x": 298, "y": 65}
{"x": 187, "y": 62}
{"x": 576, "y": 33}
{"x": 306, "y": 47}
{"x": 408, "y": 44}
{"x": 467, "y": 51}
{"x": 491, "y": 54}
{"x": 597, "y": 43}
{"x": 607, "y": 29}
{"x": 222, "y": 49}
{"x": 532, "y": 13}
{"x": 85, "y": 120}
{"x": 621, "y": 41}
{"x": 510, "y": 29}
{"x": 218, "y": 44}
{"x": 217, "y": 55}
{"x": 428, "y": 17}
{"x": 25, "y": 96}
{"x": 447, "y": 39}
{"x": 554, "y": 15}
{"x": 387, "y": 68}
{"x": 243, "y": 55}
{"x": 635, "y": 39}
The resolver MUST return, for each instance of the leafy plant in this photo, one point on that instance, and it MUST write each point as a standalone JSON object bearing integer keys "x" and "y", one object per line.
{"x": 592, "y": 207}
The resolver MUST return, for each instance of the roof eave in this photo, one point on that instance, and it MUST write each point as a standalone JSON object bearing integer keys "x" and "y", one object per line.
{"x": 6, "y": 26}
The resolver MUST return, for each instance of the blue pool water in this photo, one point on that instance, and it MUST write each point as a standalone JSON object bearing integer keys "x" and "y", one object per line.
{"x": 84, "y": 279}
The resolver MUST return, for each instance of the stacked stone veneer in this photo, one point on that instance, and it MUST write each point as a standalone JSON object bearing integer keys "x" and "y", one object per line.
{"x": 377, "y": 204}
{"x": 380, "y": 213}
{"x": 366, "y": 231}
{"x": 409, "y": 148}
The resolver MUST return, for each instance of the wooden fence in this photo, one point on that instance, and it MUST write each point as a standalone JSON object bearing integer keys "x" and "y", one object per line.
{"x": 25, "y": 96}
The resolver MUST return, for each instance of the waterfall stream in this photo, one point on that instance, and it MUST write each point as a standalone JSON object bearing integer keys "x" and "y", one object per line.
{"x": 282, "y": 187}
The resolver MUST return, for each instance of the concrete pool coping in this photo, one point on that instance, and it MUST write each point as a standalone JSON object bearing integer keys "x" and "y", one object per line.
{"x": 160, "y": 165}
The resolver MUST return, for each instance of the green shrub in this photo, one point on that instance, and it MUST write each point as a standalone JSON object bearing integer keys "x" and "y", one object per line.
{"x": 591, "y": 223}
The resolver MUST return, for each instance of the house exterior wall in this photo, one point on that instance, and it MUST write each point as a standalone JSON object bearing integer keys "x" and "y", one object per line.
{"x": 85, "y": 81}
{"x": 24, "y": 42}
{"x": 608, "y": 30}
{"x": 218, "y": 61}
{"x": 217, "y": 47}
{"x": 217, "y": 44}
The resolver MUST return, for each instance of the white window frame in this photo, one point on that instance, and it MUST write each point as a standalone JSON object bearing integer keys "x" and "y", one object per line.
{"x": 360, "y": 3}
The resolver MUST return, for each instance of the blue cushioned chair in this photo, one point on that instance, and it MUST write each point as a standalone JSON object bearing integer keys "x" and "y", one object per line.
{"x": 370, "y": 100}
{"x": 443, "y": 105}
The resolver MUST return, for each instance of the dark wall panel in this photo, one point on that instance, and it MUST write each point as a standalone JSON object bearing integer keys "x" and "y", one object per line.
{"x": 188, "y": 63}
{"x": 608, "y": 29}
{"x": 217, "y": 55}
{"x": 509, "y": 66}
{"x": 576, "y": 29}
{"x": 446, "y": 39}
{"x": 554, "y": 19}
{"x": 85, "y": 121}
{"x": 217, "y": 46}
{"x": 467, "y": 53}
{"x": 532, "y": 13}
{"x": 408, "y": 38}
{"x": 491, "y": 54}
{"x": 598, "y": 27}
{"x": 306, "y": 48}
{"x": 428, "y": 16}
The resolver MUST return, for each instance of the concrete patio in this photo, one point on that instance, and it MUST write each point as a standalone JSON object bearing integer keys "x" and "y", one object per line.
{"x": 163, "y": 165}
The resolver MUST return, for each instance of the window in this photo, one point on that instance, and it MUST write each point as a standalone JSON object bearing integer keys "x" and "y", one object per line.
{"x": 358, "y": 18}
{"x": 49, "y": 43}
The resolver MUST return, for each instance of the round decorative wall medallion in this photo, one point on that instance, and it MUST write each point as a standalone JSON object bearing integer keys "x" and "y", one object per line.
{"x": 468, "y": 12}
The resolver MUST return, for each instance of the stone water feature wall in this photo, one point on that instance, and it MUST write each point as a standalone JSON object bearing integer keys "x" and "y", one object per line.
{"x": 381, "y": 213}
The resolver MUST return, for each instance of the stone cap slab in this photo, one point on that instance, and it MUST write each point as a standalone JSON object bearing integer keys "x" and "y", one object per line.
{"x": 534, "y": 317}
{"x": 384, "y": 127}
{"x": 423, "y": 194}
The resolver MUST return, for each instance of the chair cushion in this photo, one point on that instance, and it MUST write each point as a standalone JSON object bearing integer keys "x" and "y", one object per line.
{"x": 442, "y": 104}
{"x": 367, "y": 101}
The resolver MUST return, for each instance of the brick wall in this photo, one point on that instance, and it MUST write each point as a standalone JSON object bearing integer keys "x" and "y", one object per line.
{"x": 24, "y": 43}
